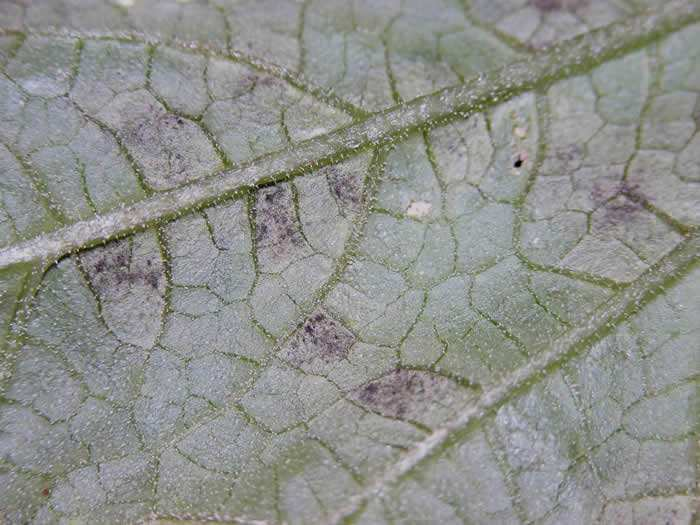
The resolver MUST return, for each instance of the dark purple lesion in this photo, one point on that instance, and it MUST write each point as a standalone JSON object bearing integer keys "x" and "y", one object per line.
{"x": 620, "y": 212}
{"x": 346, "y": 187}
{"x": 275, "y": 223}
{"x": 558, "y": 5}
{"x": 114, "y": 268}
{"x": 571, "y": 153}
{"x": 399, "y": 393}
{"x": 620, "y": 203}
{"x": 320, "y": 337}
{"x": 158, "y": 133}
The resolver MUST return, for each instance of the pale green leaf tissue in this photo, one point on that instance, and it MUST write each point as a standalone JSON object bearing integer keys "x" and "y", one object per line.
{"x": 349, "y": 261}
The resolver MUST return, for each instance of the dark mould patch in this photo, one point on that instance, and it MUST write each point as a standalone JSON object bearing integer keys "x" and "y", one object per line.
{"x": 631, "y": 190}
{"x": 620, "y": 212}
{"x": 557, "y": 5}
{"x": 602, "y": 191}
{"x": 267, "y": 80}
{"x": 320, "y": 337}
{"x": 275, "y": 222}
{"x": 402, "y": 393}
{"x": 161, "y": 134}
{"x": 254, "y": 79}
{"x": 112, "y": 268}
{"x": 624, "y": 208}
{"x": 605, "y": 189}
{"x": 346, "y": 187}
{"x": 570, "y": 154}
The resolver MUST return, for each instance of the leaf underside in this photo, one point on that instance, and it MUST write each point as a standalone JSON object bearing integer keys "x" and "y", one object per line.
{"x": 272, "y": 261}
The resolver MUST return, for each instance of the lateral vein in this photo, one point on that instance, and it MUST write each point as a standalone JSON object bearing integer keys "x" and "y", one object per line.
{"x": 563, "y": 349}
{"x": 577, "y": 56}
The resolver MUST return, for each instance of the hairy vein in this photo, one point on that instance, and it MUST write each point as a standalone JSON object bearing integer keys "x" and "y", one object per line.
{"x": 575, "y": 57}
{"x": 611, "y": 314}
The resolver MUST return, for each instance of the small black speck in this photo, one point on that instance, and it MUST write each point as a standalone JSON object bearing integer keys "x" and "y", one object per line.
{"x": 518, "y": 163}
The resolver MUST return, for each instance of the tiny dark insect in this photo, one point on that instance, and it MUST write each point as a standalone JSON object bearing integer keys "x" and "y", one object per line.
{"x": 520, "y": 159}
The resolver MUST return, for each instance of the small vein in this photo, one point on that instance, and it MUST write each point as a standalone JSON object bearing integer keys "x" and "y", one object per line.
{"x": 236, "y": 55}
{"x": 563, "y": 349}
{"x": 578, "y": 55}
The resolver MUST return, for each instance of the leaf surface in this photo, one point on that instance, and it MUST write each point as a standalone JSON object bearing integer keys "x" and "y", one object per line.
{"x": 378, "y": 262}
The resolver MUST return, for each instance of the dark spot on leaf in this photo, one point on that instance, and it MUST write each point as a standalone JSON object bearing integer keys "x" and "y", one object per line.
{"x": 152, "y": 278}
{"x": 631, "y": 190}
{"x": 370, "y": 390}
{"x": 100, "y": 266}
{"x": 620, "y": 211}
{"x": 253, "y": 79}
{"x": 321, "y": 337}
{"x": 555, "y": 5}
{"x": 267, "y": 80}
{"x": 401, "y": 392}
{"x": 113, "y": 268}
{"x": 276, "y": 227}
{"x": 547, "y": 5}
{"x": 160, "y": 134}
{"x": 518, "y": 163}
{"x": 600, "y": 192}
{"x": 571, "y": 154}
{"x": 346, "y": 187}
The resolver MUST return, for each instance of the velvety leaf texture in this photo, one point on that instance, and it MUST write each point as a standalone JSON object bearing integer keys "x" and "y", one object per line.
{"x": 349, "y": 261}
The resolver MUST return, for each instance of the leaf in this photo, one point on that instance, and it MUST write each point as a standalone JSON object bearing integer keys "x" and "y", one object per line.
{"x": 379, "y": 262}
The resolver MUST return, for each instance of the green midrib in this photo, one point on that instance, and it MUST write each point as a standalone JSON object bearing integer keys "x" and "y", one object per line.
{"x": 571, "y": 58}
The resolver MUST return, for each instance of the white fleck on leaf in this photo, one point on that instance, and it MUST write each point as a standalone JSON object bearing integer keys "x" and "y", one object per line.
{"x": 419, "y": 209}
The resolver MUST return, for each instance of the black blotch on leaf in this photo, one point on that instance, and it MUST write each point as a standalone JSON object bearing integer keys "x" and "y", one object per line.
{"x": 400, "y": 392}
{"x": 321, "y": 337}
{"x": 518, "y": 163}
